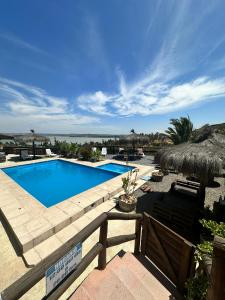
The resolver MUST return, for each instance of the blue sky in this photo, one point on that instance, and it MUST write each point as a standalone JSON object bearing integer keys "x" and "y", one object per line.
{"x": 101, "y": 66}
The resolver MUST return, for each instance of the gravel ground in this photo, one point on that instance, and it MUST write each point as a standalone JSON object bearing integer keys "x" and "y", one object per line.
{"x": 212, "y": 193}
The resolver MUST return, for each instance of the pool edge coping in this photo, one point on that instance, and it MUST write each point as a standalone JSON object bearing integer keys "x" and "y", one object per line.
{"x": 66, "y": 211}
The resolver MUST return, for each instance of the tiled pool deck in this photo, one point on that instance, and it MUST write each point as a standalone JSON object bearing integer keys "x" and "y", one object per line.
{"x": 31, "y": 223}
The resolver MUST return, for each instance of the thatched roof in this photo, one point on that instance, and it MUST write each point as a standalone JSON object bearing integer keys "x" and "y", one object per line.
{"x": 203, "y": 160}
{"x": 135, "y": 137}
{"x": 30, "y": 137}
{"x": 216, "y": 144}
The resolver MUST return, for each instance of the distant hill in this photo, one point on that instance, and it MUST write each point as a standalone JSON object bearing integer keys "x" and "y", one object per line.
{"x": 207, "y": 131}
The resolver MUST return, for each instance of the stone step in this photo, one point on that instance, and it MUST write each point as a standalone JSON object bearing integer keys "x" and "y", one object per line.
{"x": 123, "y": 278}
{"x": 129, "y": 278}
{"x": 104, "y": 285}
{"x": 82, "y": 294}
{"x": 150, "y": 282}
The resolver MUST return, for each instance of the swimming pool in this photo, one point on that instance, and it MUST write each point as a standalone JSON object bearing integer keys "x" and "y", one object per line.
{"x": 120, "y": 169}
{"x": 54, "y": 181}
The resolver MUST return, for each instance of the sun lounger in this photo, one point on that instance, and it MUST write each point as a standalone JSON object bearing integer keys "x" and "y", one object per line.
{"x": 104, "y": 151}
{"x": 49, "y": 153}
{"x": 121, "y": 154}
{"x": 186, "y": 187}
{"x": 24, "y": 155}
{"x": 140, "y": 152}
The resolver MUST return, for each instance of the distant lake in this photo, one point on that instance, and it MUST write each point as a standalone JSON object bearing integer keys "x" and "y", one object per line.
{"x": 77, "y": 139}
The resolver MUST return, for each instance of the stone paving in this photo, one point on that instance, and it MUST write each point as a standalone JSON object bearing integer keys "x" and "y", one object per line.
{"x": 48, "y": 238}
{"x": 32, "y": 223}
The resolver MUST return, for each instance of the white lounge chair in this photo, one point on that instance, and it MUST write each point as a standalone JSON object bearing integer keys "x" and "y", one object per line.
{"x": 140, "y": 152}
{"x": 121, "y": 153}
{"x": 104, "y": 151}
{"x": 50, "y": 153}
{"x": 24, "y": 155}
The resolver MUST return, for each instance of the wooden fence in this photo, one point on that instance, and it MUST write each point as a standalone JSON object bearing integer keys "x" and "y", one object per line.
{"x": 30, "y": 278}
{"x": 171, "y": 253}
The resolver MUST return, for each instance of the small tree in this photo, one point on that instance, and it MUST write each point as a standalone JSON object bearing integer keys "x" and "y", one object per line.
{"x": 96, "y": 155}
{"x": 129, "y": 184}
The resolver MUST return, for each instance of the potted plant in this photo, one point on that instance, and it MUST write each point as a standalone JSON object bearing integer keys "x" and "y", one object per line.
{"x": 96, "y": 155}
{"x": 127, "y": 201}
{"x": 157, "y": 176}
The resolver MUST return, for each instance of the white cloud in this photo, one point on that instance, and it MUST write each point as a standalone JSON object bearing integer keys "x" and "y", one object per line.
{"x": 20, "y": 43}
{"x": 184, "y": 52}
{"x": 148, "y": 97}
{"x": 24, "y": 106}
{"x": 96, "y": 103}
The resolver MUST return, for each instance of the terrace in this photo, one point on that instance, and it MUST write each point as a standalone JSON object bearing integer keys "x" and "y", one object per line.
{"x": 49, "y": 241}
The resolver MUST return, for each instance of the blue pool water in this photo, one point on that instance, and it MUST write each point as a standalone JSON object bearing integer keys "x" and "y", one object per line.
{"x": 54, "y": 181}
{"x": 120, "y": 169}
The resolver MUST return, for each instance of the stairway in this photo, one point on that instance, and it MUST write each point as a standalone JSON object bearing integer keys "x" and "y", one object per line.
{"x": 124, "y": 278}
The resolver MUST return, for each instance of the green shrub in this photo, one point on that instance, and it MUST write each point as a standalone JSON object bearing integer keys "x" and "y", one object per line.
{"x": 64, "y": 148}
{"x": 214, "y": 227}
{"x": 205, "y": 248}
{"x": 74, "y": 149}
{"x": 197, "y": 287}
{"x": 86, "y": 153}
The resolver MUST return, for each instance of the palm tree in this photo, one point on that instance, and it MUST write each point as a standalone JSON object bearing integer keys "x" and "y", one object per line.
{"x": 182, "y": 130}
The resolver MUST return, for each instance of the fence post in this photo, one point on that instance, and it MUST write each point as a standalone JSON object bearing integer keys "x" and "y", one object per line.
{"x": 138, "y": 236}
{"x": 144, "y": 233}
{"x": 216, "y": 290}
{"x": 102, "y": 240}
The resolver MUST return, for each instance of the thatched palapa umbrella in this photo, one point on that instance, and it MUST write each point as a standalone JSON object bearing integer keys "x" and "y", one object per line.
{"x": 201, "y": 160}
{"x": 32, "y": 137}
{"x": 216, "y": 144}
{"x": 134, "y": 138}
{"x": 192, "y": 160}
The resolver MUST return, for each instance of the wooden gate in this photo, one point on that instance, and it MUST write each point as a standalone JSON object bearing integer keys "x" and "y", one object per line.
{"x": 170, "y": 252}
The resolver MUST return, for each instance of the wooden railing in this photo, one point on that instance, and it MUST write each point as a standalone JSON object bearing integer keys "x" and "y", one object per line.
{"x": 34, "y": 275}
{"x": 171, "y": 253}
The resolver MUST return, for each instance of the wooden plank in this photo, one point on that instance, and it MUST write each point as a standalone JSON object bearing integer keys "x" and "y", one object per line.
{"x": 189, "y": 183}
{"x": 30, "y": 278}
{"x": 144, "y": 233}
{"x": 116, "y": 240}
{"x": 173, "y": 255}
{"x": 185, "y": 265}
{"x": 138, "y": 237}
{"x": 89, "y": 257}
{"x": 103, "y": 240}
{"x": 176, "y": 235}
{"x": 171, "y": 272}
{"x": 123, "y": 216}
{"x": 190, "y": 186}
{"x": 169, "y": 236}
